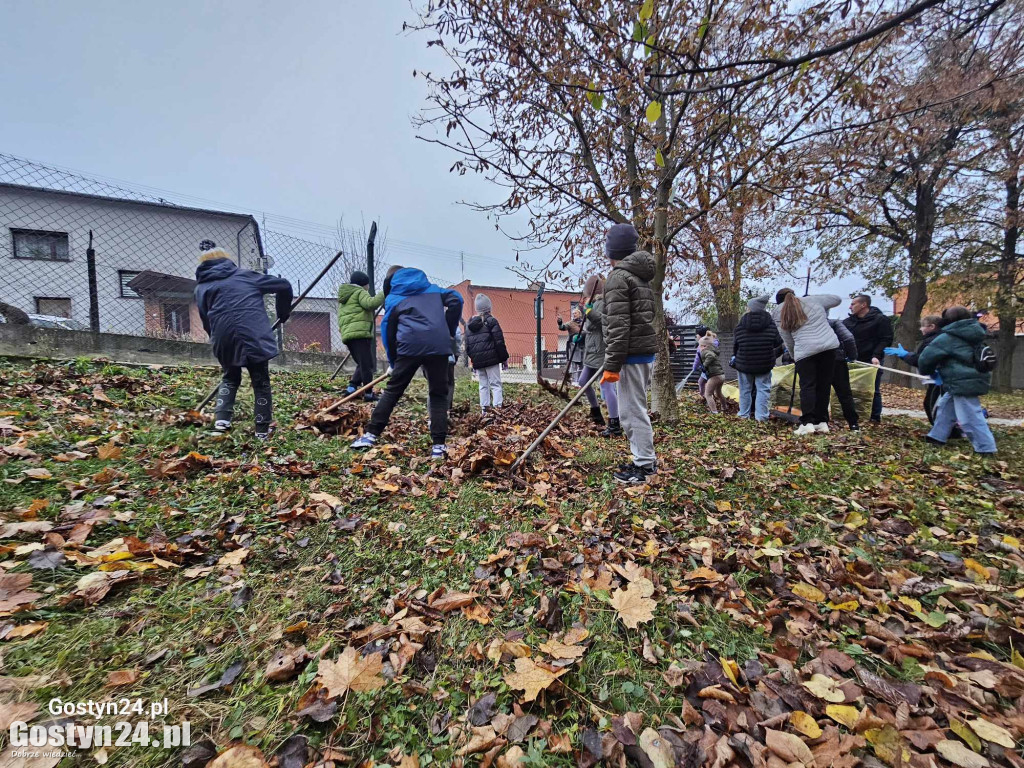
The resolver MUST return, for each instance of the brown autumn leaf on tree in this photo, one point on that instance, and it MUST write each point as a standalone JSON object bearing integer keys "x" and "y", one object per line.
{"x": 350, "y": 672}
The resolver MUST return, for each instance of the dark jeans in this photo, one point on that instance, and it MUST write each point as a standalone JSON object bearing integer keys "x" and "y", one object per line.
{"x": 362, "y": 353}
{"x": 451, "y": 384}
{"x": 876, "y": 402}
{"x": 436, "y": 368}
{"x": 259, "y": 377}
{"x": 931, "y": 397}
{"x": 815, "y": 384}
{"x": 841, "y": 384}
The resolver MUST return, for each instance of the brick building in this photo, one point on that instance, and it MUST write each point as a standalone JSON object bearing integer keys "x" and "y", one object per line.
{"x": 935, "y": 307}
{"x": 513, "y": 307}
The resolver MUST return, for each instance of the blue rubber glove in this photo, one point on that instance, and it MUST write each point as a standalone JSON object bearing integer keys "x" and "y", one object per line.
{"x": 851, "y": 359}
{"x": 898, "y": 351}
{"x": 732, "y": 361}
{"x": 936, "y": 379}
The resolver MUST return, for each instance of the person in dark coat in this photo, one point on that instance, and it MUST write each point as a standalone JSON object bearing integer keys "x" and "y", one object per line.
{"x": 845, "y": 355}
{"x": 951, "y": 356}
{"x": 872, "y": 331}
{"x": 230, "y": 302}
{"x": 420, "y": 319}
{"x": 931, "y": 326}
{"x": 756, "y": 346}
{"x": 485, "y": 345}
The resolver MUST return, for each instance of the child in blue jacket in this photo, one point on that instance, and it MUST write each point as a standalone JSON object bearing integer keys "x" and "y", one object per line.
{"x": 420, "y": 320}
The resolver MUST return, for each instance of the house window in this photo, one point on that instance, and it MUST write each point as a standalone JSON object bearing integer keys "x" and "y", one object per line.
{"x": 37, "y": 244}
{"x": 125, "y": 276}
{"x": 54, "y": 307}
{"x": 176, "y": 317}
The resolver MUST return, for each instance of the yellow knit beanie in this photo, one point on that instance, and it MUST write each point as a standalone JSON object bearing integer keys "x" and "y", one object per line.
{"x": 214, "y": 253}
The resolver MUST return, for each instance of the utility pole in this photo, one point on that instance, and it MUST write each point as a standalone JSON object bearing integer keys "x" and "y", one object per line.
{"x": 462, "y": 262}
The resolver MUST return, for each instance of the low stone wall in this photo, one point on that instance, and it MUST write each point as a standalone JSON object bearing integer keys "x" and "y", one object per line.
{"x": 32, "y": 341}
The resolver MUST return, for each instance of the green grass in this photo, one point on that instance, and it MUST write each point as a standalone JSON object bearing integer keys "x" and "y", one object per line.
{"x": 822, "y": 502}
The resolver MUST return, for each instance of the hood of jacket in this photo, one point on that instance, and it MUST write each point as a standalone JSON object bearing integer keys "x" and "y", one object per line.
{"x": 871, "y": 316}
{"x": 346, "y": 291}
{"x": 215, "y": 269}
{"x": 639, "y": 263}
{"x": 969, "y": 330}
{"x": 756, "y": 320}
{"x": 409, "y": 281}
{"x": 475, "y": 323}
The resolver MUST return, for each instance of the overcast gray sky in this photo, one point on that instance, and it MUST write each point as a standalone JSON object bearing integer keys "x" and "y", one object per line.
{"x": 300, "y": 109}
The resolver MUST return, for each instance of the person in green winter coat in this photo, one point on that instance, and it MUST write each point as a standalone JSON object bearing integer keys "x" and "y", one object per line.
{"x": 356, "y": 311}
{"x": 950, "y": 361}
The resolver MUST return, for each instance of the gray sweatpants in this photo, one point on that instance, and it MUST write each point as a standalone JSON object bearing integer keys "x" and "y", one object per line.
{"x": 490, "y": 386}
{"x": 633, "y": 381}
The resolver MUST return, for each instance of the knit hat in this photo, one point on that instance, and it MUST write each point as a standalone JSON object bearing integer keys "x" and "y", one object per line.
{"x": 359, "y": 278}
{"x": 482, "y": 303}
{"x": 760, "y": 304}
{"x": 214, "y": 253}
{"x": 207, "y": 245}
{"x": 620, "y": 241}
{"x": 593, "y": 287}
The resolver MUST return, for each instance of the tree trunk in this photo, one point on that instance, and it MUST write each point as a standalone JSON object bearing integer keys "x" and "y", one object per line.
{"x": 919, "y": 253}
{"x": 663, "y": 390}
{"x": 726, "y": 299}
{"x": 1006, "y": 279}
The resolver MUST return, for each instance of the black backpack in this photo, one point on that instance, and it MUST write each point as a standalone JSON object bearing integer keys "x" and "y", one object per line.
{"x": 985, "y": 358}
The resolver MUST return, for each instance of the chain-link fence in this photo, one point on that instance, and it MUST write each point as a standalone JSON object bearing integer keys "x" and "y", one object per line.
{"x": 84, "y": 254}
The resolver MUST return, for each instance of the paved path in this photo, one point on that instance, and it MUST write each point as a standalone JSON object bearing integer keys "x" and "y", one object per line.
{"x": 514, "y": 376}
{"x": 921, "y": 415}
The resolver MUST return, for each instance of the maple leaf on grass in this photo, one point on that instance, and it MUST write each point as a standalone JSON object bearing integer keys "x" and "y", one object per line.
{"x": 634, "y": 604}
{"x": 239, "y": 756}
{"x": 351, "y": 673}
{"x": 531, "y": 678}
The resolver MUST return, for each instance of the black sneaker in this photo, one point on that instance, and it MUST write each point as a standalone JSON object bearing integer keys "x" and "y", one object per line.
{"x": 633, "y": 475}
{"x": 932, "y": 440}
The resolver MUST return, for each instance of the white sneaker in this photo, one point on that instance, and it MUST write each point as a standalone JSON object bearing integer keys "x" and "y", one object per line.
{"x": 368, "y": 440}
{"x": 222, "y": 425}
{"x": 822, "y": 428}
{"x": 804, "y": 429}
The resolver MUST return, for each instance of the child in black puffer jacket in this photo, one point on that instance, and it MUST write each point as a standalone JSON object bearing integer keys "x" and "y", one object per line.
{"x": 485, "y": 346}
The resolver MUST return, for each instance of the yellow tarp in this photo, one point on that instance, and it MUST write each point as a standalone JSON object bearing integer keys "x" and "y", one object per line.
{"x": 862, "y": 382}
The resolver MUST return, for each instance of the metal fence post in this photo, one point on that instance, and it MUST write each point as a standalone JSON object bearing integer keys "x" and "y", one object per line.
{"x": 373, "y": 287}
{"x": 94, "y": 297}
{"x": 538, "y": 306}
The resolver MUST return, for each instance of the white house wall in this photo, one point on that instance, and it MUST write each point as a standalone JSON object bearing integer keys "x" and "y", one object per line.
{"x": 126, "y": 236}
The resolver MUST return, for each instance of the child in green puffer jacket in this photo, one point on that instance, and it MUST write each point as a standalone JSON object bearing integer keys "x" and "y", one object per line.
{"x": 356, "y": 311}
{"x": 951, "y": 356}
